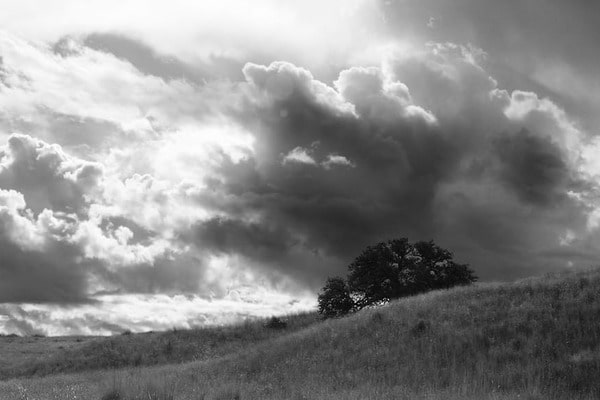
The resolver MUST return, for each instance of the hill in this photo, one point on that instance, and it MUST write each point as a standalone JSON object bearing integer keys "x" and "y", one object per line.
{"x": 534, "y": 339}
{"x": 40, "y": 356}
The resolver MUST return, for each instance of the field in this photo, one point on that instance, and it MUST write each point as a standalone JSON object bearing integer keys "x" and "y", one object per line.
{"x": 534, "y": 339}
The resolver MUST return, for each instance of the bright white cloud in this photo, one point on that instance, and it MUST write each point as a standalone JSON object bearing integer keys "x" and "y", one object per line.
{"x": 333, "y": 160}
{"x": 17, "y": 222}
{"x": 113, "y": 314}
{"x": 311, "y": 31}
{"x": 299, "y": 155}
{"x": 281, "y": 80}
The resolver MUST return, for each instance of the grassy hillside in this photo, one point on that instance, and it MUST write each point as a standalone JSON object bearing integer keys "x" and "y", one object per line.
{"x": 20, "y": 354}
{"x": 25, "y": 356}
{"x": 534, "y": 339}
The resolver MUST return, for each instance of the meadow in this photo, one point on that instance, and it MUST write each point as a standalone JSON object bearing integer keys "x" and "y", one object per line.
{"x": 533, "y": 339}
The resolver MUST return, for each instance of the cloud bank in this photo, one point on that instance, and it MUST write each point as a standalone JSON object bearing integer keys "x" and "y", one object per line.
{"x": 190, "y": 190}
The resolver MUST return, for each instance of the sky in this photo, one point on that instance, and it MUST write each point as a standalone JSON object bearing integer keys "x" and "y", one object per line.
{"x": 177, "y": 164}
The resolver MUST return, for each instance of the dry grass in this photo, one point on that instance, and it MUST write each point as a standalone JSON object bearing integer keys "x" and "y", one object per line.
{"x": 143, "y": 349}
{"x": 534, "y": 339}
{"x": 19, "y": 354}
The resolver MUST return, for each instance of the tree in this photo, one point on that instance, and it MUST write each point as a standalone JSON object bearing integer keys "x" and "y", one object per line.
{"x": 389, "y": 270}
{"x": 376, "y": 275}
{"x": 335, "y": 300}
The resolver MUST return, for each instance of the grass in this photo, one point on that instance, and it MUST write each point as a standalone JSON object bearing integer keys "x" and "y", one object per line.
{"x": 139, "y": 389}
{"x": 534, "y": 339}
{"x": 142, "y": 349}
{"x": 19, "y": 354}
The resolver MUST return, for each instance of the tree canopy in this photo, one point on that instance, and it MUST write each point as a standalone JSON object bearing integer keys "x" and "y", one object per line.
{"x": 389, "y": 270}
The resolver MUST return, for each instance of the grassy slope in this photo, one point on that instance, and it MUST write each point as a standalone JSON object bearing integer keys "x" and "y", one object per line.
{"x": 535, "y": 339}
{"x": 24, "y": 357}
{"x": 18, "y": 354}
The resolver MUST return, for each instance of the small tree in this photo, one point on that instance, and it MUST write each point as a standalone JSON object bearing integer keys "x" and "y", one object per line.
{"x": 389, "y": 270}
{"x": 335, "y": 300}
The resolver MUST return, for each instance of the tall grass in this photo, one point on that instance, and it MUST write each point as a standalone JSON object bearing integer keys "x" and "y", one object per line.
{"x": 155, "y": 348}
{"x": 139, "y": 387}
{"x": 534, "y": 339}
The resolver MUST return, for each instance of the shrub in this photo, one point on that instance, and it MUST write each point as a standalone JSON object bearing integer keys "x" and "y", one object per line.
{"x": 275, "y": 323}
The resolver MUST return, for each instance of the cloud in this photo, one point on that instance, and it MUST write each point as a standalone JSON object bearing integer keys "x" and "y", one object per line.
{"x": 423, "y": 174}
{"x": 299, "y": 155}
{"x": 376, "y": 99}
{"x": 334, "y": 160}
{"x": 91, "y": 101}
{"x": 145, "y": 174}
{"x": 46, "y": 176}
{"x": 527, "y": 51}
{"x": 533, "y": 167}
{"x": 257, "y": 241}
{"x": 107, "y": 235}
{"x": 114, "y": 314}
{"x": 310, "y": 32}
{"x": 281, "y": 81}
{"x": 67, "y": 228}
{"x": 149, "y": 62}
{"x": 317, "y": 171}
{"x": 38, "y": 266}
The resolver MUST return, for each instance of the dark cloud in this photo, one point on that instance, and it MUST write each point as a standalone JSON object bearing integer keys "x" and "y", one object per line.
{"x": 526, "y": 49}
{"x": 254, "y": 240}
{"x": 34, "y": 268}
{"x": 455, "y": 174}
{"x": 45, "y": 175}
{"x": 149, "y": 62}
{"x": 175, "y": 274}
{"x": 45, "y": 275}
{"x": 502, "y": 235}
{"x": 533, "y": 167}
{"x": 398, "y": 157}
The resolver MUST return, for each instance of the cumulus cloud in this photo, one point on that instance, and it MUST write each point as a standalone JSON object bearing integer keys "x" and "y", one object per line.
{"x": 46, "y": 176}
{"x": 100, "y": 234}
{"x": 431, "y": 137}
{"x": 527, "y": 51}
{"x": 533, "y": 167}
{"x": 299, "y": 155}
{"x": 334, "y": 160}
{"x": 148, "y": 180}
{"x": 66, "y": 227}
{"x": 37, "y": 265}
{"x": 378, "y": 99}
{"x": 281, "y": 81}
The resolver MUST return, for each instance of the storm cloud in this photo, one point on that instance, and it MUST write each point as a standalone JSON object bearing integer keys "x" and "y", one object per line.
{"x": 198, "y": 171}
{"x": 405, "y": 158}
